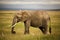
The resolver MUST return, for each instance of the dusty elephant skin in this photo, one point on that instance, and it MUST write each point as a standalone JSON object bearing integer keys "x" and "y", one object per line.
{"x": 34, "y": 18}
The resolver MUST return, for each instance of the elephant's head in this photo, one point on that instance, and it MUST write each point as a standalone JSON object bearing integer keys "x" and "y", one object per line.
{"x": 22, "y": 16}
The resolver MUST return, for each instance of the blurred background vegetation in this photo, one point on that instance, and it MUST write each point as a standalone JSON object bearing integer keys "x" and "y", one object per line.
{"x": 6, "y": 17}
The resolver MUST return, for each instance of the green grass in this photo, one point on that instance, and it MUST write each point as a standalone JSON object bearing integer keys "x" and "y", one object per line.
{"x": 35, "y": 33}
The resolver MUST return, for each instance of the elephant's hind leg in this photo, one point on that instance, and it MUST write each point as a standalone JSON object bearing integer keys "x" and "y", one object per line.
{"x": 43, "y": 29}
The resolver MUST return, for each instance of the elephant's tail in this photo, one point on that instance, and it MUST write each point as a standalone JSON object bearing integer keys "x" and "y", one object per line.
{"x": 50, "y": 25}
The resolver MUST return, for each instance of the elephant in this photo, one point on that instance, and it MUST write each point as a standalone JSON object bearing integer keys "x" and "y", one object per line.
{"x": 35, "y": 18}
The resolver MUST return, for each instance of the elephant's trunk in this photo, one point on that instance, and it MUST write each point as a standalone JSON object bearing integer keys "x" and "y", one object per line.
{"x": 13, "y": 24}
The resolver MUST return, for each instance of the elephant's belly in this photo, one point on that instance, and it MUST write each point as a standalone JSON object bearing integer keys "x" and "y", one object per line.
{"x": 36, "y": 24}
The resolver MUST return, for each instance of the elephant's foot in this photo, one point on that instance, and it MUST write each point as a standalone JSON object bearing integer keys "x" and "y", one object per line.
{"x": 44, "y": 32}
{"x": 26, "y": 32}
{"x": 13, "y": 32}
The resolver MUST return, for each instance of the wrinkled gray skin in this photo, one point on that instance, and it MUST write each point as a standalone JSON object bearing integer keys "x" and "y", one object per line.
{"x": 32, "y": 18}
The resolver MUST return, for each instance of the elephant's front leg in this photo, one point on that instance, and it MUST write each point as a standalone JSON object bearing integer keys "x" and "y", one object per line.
{"x": 27, "y": 24}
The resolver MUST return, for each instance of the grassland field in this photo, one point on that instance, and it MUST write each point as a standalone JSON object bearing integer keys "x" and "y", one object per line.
{"x": 6, "y": 17}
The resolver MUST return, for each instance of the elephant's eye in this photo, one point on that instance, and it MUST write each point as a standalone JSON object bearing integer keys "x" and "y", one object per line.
{"x": 19, "y": 15}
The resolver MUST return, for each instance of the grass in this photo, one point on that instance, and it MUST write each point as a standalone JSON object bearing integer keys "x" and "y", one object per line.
{"x": 35, "y": 34}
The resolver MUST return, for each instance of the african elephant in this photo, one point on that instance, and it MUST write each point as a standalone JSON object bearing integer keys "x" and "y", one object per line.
{"x": 36, "y": 18}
